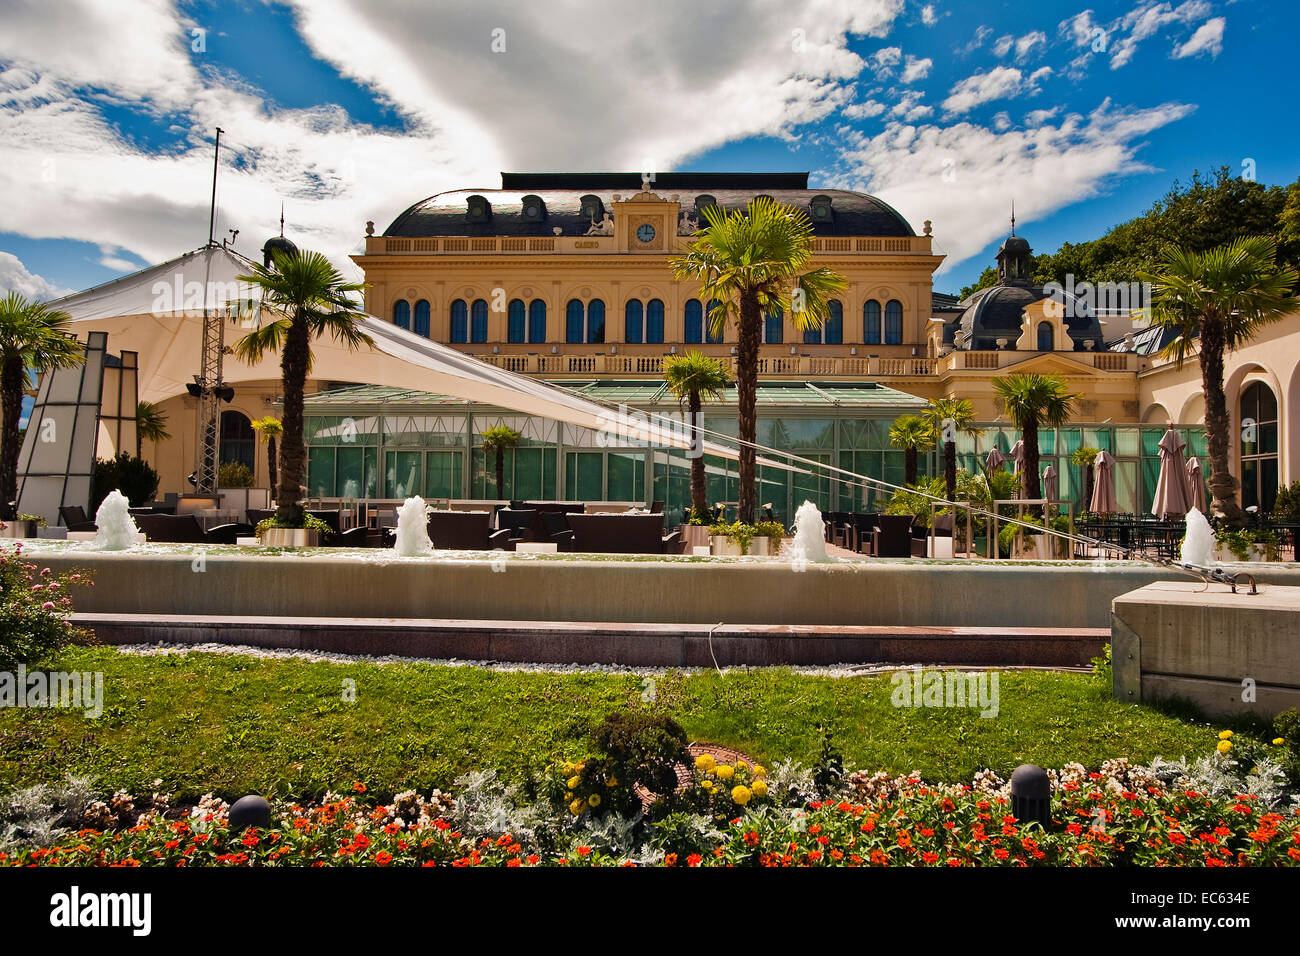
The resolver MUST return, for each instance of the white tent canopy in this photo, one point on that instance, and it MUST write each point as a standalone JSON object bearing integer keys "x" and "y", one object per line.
{"x": 159, "y": 314}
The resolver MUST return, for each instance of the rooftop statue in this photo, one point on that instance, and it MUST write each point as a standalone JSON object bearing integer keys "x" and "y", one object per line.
{"x": 603, "y": 228}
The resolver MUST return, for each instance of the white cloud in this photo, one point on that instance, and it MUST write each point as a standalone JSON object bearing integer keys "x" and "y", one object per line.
{"x": 1001, "y": 121}
{"x": 467, "y": 111}
{"x": 964, "y": 176}
{"x": 1208, "y": 38}
{"x": 864, "y": 110}
{"x": 1026, "y": 44}
{"x": 998, "y": 83}
{"x": 1148, "y": 19}
{"x": 1039, "y": 117}
{"x": 909, "y": 108}
{"x": 916, "y": 69}
{"x": 928, "y": 16}
{"x": 15, "y": 277}
{"x": 1004, "y": 44}
{"x": 982, "y": 33}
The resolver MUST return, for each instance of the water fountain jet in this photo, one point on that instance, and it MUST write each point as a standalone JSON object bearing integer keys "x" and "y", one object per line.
{"x": 1198, "y": 543}
{"x": 413, "y": 529}
{"x": 809, "y": 542}
{"x": 115, "y": 529}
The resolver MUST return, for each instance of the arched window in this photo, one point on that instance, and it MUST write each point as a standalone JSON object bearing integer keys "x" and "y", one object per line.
{"x": 402, "y": 314}
{"x": 238, "y": 442}
{"x": 712, "y": 336}
{"x": 422, "y": 318}
{"x": 893, "y": 322}
{"x": 573, "y": 322}
{"x": 478, "y": 321}
{"x": 632, "y": 320}
{"x": 812, "y": 336}
{"x": 871, "y": 322}
{"x": 1259, "y": 465}
{"x": 1046, "y": 338}
{"x": 596, "y": 320}
{"x": 536, "y": 321}
{"x": 694, "y": 322}
{"x": 459, "y": 321}
{"x": 654, "y": 321}
{"x": 515, "y": 321}
{"x": 773, "y": 326}
{"x": 835, "y": 323}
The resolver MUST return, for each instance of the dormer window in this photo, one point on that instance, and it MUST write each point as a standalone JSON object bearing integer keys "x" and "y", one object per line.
{"x": 763, "y": 196}
{"x": 533, "y": 209}
{"x": 703, "y": 202}
{"x": 478, "y": 209}
{"x": 593, "y": 209}
{"x": 820, "y": 206}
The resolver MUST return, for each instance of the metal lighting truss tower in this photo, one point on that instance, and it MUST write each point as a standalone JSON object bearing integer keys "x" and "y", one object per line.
{"x": 208, "y": 386}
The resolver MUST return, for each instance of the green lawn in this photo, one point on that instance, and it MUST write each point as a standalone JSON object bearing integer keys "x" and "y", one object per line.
{"x": 231, "y": 724}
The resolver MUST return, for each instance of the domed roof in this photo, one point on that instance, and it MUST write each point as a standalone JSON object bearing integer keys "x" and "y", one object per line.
{"x": 838, "y": 213}
{"x": 277, "y": 245}
{"x": 1014, "y": 244}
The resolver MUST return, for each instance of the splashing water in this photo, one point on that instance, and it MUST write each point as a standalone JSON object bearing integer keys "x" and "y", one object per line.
{"x": 809, "y": 534}
{"x": 115, "y": 529}
{"x": 1198, "y": 543}
{"x": 413, "y": 529}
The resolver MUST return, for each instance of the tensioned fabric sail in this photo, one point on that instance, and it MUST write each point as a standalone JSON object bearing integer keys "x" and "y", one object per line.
{"x": 158, "y": 313}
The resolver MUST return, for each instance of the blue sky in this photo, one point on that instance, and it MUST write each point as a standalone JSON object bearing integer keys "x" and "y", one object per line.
{"x": 1081, "y": 113}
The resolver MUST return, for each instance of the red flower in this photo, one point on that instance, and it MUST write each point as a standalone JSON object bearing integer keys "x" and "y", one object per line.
{"x": 383, "y": 859}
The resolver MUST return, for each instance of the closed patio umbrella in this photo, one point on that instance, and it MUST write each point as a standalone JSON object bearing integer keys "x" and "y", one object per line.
{"x": 1195, "y": 484}
{"x": 1018, "y": 456}
{"x": 1049, "y": 483}
{"x": 1103, "y": 487}
{"x": 1171, "y": 496}
{"x": 995, "y": 460}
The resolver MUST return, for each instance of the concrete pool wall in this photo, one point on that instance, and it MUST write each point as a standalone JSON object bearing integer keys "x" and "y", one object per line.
{"x": 773, "y": 591}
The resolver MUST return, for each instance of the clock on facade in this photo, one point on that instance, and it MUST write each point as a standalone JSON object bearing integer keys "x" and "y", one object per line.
{"x": 645, "y": 232}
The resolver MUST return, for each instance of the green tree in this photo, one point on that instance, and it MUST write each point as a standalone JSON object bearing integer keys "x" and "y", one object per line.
{"x": 150, "y": 423}
{"x": 32, "y": 336}
{"x": 913, "y": 434}
{"x": 1215, "y": 301}
{"x": 269, "y": 428}
{"x": 313, "y": 300}
{"x": 691, "y": 378}
{"x": 495, "y": 442}
{"x": 948, "y": 418}
{"x": 1032, "y": 400}
{"x": 752, "y": 262}
{"x": 1085, "y": 457}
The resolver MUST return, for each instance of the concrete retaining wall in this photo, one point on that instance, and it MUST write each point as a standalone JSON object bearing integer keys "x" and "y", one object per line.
{"x": 1227, "y": 653}
{"x": 758, "y": 592}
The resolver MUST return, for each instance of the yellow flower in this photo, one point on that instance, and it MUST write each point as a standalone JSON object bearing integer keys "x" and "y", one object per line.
{"x": 740, "y": 794}
{"x": 594, "y": 800}
{"x": 707, "y": 784}
{"x": 741, "y": 765}
{"x": 760, "y": 771}
{"x": 576, "y": 806}
{"x": 725, "y": 772}
{"x": 759, "y": 788}
{"x": 1224, "y": 746}
{"x": 1225, "y": 735}
{"x": 1278, "y": 741}
{"x": 569, "y": 795}
{"x": 572, "y": 783}
{"x": 612, "y": 782}
{"x": 705, "y": 762}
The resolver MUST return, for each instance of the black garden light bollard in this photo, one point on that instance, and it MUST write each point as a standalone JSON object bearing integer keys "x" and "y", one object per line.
{"x": 250, "y": 811}
{"x": 1031, "y": 795}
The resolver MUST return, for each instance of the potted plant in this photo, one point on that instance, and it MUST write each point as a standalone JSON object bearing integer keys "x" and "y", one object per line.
{"x": 1245, "y": 544}
{"x": 273, "y": 533}
{"x": 24, "y": 526}
{"x": 731, "y": 539}
{"x": 770, "y": 534}
{"x": 695, "y": 532}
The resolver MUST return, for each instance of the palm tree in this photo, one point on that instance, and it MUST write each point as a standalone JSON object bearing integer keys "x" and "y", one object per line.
{"x": 948, "y": 418}
{"x": 753, "y": 262}
{"x": 495, "y": 442}
{"x": 1031, "y": 400}
{"x": 150, "y": 423}
{"x": 269, "y": 428}
{"x": 32, "y": 336}
{"x": 1085, "y": 457}
{"x": 1216, "y": 300}
{"x": 690, "y": 378}
{"x": 313, "y": 299}
{"x": 913, "y": 434}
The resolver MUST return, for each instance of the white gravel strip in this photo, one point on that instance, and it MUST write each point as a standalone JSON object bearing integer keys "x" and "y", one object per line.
{"x": 330, "y": 657}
